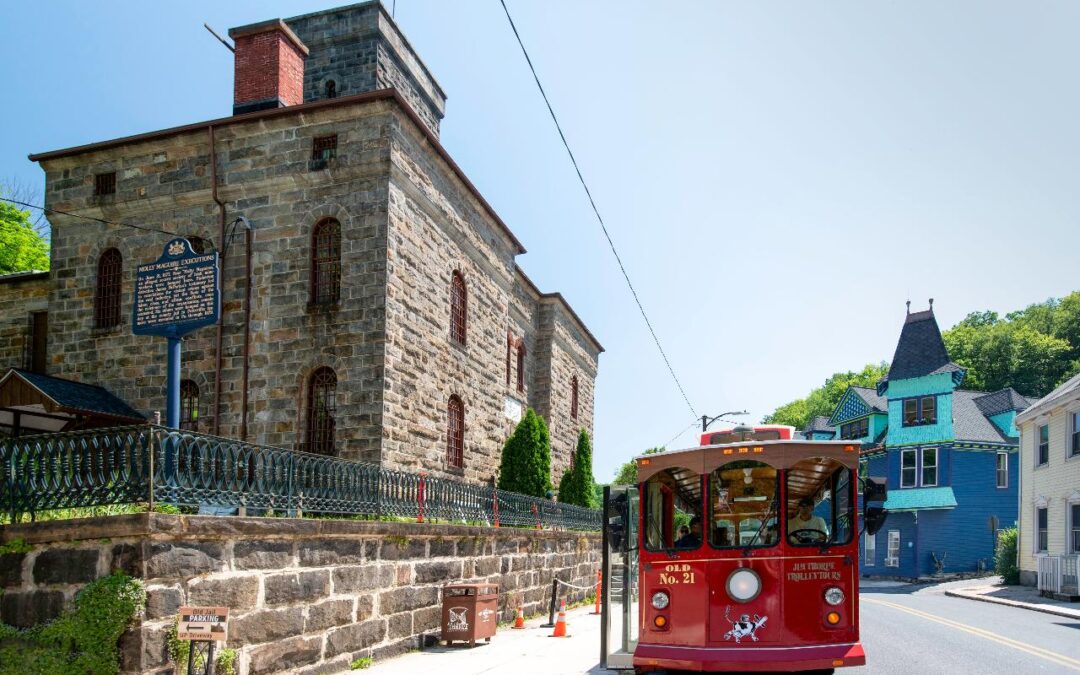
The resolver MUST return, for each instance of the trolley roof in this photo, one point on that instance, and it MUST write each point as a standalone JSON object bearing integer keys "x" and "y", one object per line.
{"x": 782, "y": 454}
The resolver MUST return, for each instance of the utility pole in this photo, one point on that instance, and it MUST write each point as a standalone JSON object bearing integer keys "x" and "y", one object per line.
{"x": 706, "y": 420}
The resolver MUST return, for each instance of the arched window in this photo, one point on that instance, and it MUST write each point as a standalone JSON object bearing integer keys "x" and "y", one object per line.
{"x": 458, "y": 306}
{"x": 326, "y": 262}
{"x": 455, "y": 433}
{"x": 331, "y": 89}
{"x": 107, "y": 293}
{"x": 321, "y": 411}
{"x": 509, "y": 345}
{"x": 521, "y": 366}
{"x": 573, "y": 397}
{"x": 189, "y": 405}
{"x": 198, "y": 244}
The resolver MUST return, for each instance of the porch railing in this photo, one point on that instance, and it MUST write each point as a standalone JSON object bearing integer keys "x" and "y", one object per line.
{"x": 1059, "y": 573}
{"x": 152, "y": 464}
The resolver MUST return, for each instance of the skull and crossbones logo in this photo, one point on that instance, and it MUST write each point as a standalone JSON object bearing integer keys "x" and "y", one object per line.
{"x": 744, "y": 626}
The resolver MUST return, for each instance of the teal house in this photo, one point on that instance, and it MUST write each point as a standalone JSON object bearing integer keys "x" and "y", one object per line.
{"x": 949, "y": 456}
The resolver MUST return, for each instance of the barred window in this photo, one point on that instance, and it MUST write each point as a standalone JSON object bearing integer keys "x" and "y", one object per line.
{"x": 326, "y": 262}
{"x": 521, "y": 366}
{"x": 189, "y": 405}
{"x": 105, "y": 183}
{"x": 321, "y": 409}
{"x": 198, "y": 244}
{"x": 455, "y": 433}
{"x": 573, "y": 398}
{"x": 107, "y": 292}
{"x": 458, "y": 308}
{"x": 324, "y": 147}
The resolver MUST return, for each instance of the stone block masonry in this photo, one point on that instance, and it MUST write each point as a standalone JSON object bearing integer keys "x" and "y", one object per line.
{"x": 306, "y": 596}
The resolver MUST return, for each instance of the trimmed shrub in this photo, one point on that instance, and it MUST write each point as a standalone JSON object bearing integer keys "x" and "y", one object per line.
{"x": 577, "y": 486}
{"x": 526, "y": 458}
{"x": 1005, "y": 556}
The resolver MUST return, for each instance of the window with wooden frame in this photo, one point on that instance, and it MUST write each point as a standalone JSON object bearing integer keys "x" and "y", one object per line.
{"x": 326, "y": 262}
{"x": 321, "y": 412}
{"x": 892, "y": 553}
{"x": 920, "y": 411}
{"x": 1074, "y": 434}
{"x": 105, "y": 184}
{"x": 189, "y": 405}
{"x": 521, "y": 365}
{"x": 856, "y": 429}
{"x": 908, "y": 468}
{"x": 38, "y": 358}
{"x": 110, "y": 273}
{"x": 459, "y": 305}
{"x": 1043, "y": 456}
{"x": 455, "y": 433}
{"x": 1002, "y": 470}
{"x": 573, "y": 397}
{"x": 324, "y": 148}
{"x": 929, "y": 467}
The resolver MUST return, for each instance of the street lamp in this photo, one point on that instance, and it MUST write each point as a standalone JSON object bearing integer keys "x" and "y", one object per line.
{"x": 706, "y": 420}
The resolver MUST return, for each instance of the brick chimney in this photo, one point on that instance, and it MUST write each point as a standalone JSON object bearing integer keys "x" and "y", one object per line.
{"x": 269, "y": 67}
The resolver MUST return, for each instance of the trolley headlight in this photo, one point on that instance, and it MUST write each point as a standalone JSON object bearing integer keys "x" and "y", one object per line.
{"x": 743, "y": 585}
{"x": 834, "y": 596}
{"x": 660, "y": 600}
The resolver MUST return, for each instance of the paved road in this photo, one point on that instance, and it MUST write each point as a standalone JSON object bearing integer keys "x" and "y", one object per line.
{"x": 905, "y": 629}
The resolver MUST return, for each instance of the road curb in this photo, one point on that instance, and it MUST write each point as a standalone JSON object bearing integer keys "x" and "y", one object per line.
{"x": 1069, "y": 614}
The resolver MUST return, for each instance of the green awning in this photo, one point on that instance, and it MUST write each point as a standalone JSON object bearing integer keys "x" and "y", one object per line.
{"x": 914, "y": 499}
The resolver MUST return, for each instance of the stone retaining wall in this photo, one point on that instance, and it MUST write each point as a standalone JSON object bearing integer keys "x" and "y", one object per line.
{"x": 306, "y": 596}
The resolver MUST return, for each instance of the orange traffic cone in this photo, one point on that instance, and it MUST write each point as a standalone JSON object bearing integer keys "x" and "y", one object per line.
{"x": 560, "y": 624}
{"x": 519, "y": 621}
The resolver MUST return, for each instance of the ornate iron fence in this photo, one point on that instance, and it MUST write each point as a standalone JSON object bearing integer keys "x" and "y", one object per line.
{"x": 128, "y": 465}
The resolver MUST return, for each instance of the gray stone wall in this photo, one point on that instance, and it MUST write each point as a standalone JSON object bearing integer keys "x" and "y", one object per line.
{"x": 360, "y": 48}
{"x": 20, "y": 296}
{"x": 305, "y": 596}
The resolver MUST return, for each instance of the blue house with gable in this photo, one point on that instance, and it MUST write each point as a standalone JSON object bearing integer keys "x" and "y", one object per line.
{"x": 949, "y": 456}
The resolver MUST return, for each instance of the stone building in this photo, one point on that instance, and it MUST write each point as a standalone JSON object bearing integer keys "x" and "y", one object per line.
{"x": 373, "y": 311}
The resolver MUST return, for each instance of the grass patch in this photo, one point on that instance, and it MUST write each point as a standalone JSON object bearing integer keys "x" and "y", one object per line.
{"x": 361, "y": 663}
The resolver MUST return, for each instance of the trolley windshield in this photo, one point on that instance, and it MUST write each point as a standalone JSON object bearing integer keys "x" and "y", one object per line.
{"x": 744, "y": 501}
{"x": 820, "y": 503}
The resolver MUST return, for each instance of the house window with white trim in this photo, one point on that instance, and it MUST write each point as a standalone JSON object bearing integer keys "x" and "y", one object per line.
{"x": 1041, "y": 536}
{"x": 1074, "y": 527}
{"x": 1044, "y": 445}
{"x": 929, "y": 467}
{"x": 892, "y": 556}
{"x": 908, "y": 468}
{"x": 1074, "y": 434}
{"x": 870, "y": 550}
{"x": 1003, "y": 469}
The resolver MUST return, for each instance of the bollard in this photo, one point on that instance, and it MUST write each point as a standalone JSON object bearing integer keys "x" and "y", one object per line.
{"x": 599, "y": 577}
{"x": 551, "y": 612}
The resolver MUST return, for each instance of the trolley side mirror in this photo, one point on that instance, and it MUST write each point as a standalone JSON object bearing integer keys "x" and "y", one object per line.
{"x": 874, "y": 515}
{"x": 615, "y": 521}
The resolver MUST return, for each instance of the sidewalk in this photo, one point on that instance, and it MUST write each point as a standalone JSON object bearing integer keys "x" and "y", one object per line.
{"x": 512, "y": 652}
{"x": 1026, "y": 597}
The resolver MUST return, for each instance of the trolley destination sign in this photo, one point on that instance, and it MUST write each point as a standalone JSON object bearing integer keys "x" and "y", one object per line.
{"x": 177, "y": 293}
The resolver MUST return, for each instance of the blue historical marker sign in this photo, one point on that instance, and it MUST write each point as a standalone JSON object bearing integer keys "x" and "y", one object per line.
{"x": 178, "y": 293}
{"x": 174, "y": 296}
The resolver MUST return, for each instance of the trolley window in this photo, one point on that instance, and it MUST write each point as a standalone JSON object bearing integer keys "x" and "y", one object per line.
{"x": 672, "y": 510}
{"x": 820, "y": 503}
{"x": 744, "y": 505}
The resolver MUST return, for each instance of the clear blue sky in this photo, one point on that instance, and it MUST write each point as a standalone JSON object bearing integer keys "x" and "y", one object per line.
{"x": 778, "y": 176}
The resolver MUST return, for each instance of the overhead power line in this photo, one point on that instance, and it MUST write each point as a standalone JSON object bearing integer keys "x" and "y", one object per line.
{"x": 596, "y": 211}
{"x": 46, "y": 209}
{"x": 685, "y": 429}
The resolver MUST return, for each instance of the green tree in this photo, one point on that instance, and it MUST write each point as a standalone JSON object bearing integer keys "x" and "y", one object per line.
{"x": 21, "y": 247}
{"x": 823, "y": 399}
{"x": 526, "y": 458}
{"x": 627, "y": 474}
{"x": 577, "y": 485}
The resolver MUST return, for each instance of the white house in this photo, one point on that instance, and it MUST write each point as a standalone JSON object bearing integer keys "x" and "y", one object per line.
{"x": 1049, "y": 544}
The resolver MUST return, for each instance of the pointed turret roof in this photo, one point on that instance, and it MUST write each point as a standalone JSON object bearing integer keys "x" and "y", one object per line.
{"x": 920, "y": 351}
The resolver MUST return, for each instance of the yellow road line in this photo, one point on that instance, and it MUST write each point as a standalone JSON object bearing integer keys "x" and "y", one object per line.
{"x": 1054, "y": 657}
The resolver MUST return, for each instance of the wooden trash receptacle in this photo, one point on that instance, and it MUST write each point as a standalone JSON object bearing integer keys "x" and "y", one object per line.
{"x": 469, "y": 612}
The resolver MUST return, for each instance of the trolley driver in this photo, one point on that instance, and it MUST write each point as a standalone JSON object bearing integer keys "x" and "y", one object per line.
{"x": 804, "y": 519}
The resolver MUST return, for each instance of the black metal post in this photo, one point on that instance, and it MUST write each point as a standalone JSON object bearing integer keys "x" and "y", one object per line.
{"x": 551, "y": 611}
